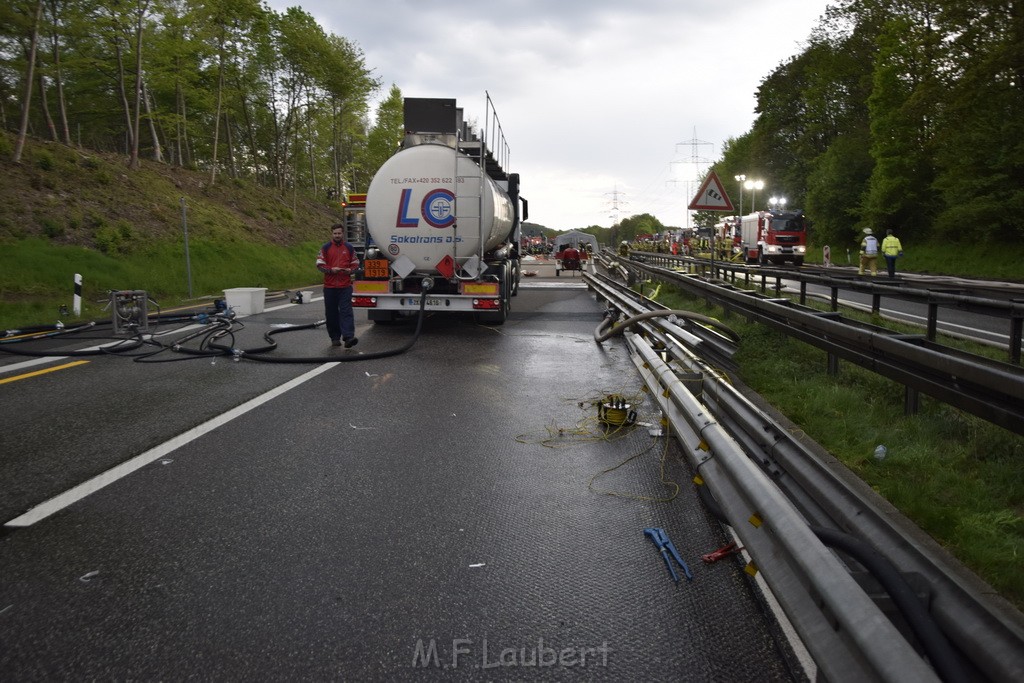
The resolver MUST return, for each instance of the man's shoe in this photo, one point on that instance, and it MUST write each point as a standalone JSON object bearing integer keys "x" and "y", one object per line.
{"x": 335, "y": 342}
{"x": 351, "y": 341}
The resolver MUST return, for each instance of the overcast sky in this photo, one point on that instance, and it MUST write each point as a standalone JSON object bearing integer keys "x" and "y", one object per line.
{"x": 600, "y": 100}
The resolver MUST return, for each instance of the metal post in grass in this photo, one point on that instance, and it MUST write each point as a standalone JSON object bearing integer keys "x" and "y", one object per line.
{"x": 76, "y": 302}
{"x": 188, "y": 264}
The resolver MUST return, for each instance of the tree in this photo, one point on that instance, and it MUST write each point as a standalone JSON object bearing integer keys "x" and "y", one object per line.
{"x": 56, "y": 17}
{"x": 19, "y": 145}
{"x": 350, "y": 84}
{"x": 228, "y": 21}
{"x": 980, "y": 136}
{"x": 386, "y": 135}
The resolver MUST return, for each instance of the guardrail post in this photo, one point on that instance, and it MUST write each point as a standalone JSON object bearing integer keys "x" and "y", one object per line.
{"x": 876, "y": 303}
{"x": 911, "y": 401}
{"x": 803, "y": 293}
{"x": 835, "y": 299}
{"x": 933, "y": 320}
{"x": 1016, "y": 332}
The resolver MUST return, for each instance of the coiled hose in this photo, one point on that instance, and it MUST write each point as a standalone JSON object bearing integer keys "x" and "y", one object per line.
{"x": 255, "y": 354}
{"x": 210, "y": 346}
{"x": 121, "y": 345}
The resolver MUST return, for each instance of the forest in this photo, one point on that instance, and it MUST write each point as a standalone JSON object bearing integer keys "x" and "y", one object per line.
{"x": 228, "y": 87}
{"x": 903, "y": 114}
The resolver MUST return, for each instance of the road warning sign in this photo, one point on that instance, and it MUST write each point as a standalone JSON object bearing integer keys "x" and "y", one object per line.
{"x": 711, "y": 196}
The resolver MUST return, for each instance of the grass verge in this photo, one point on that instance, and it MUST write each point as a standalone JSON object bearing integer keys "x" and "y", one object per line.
{"x": 959, "y": 478}
{"x": 157, "y": 267}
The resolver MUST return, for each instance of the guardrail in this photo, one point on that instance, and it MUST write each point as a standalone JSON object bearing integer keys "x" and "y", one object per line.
{"x": 739, "y": 440}
{"x": 986, "y": 388}
{"x": 1012, "y": 311}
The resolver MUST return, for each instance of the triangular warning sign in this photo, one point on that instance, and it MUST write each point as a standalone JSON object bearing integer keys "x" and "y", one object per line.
{"x": 711, "y": 196}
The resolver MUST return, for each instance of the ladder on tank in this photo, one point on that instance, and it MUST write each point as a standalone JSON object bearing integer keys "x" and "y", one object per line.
{"x": 354, "y": 219}
{"x": 489, "y": 153}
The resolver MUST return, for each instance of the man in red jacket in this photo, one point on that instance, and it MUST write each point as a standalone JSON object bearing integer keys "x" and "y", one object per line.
{"x": 337, "y": 260}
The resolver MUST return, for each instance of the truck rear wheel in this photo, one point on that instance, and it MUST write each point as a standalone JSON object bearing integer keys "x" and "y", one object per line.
{"x": 495, "y": 317}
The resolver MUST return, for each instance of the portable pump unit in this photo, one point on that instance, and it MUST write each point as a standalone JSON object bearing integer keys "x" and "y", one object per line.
{"x": 130, "y": 310}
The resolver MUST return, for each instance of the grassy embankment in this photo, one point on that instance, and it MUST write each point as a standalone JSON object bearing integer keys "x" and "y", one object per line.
{"x": 65, "y": 211}
{"x": 988, "y": 261}
{"x": 959, "y": 478}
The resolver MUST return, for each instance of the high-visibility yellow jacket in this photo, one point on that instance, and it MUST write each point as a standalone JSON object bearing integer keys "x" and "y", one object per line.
{"x": 891, "y": 246}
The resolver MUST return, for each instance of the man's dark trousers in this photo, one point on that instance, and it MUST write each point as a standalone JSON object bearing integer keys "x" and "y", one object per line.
{"x": 338, "y": 311}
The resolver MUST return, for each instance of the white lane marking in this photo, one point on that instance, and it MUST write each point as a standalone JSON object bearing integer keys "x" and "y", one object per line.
{"x": 73, "y": 495}
{"x": 947, "y": 328}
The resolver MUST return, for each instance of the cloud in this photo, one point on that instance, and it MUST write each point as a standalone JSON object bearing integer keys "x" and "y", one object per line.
{"x": 606, "y": 105}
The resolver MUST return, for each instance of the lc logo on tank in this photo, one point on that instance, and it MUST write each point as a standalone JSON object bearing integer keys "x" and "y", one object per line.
{"x": 437, "y": 209}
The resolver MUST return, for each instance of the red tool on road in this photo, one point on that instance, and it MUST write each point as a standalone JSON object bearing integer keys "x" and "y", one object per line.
{"x": 722, "y": 552}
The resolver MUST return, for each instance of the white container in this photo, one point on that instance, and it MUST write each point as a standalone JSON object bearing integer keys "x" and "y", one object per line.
{"x": 307, "y": 296}
{"x": 246, "y": 300}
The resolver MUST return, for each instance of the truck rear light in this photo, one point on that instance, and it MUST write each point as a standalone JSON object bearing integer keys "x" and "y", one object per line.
{"x": 364, "y": 301}
{"x": 487, "y": 304}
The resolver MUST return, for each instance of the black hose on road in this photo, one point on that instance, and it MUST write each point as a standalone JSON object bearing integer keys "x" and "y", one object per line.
{"x": 254, "y": 354}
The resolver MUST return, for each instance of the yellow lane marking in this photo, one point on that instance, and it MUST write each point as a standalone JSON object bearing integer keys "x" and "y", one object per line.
{"x": 42, "y": 372}
{"x": 29, "y": 335}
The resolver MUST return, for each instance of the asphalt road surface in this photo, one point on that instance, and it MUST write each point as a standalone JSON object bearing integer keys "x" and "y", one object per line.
{"x": 455, "y": 512}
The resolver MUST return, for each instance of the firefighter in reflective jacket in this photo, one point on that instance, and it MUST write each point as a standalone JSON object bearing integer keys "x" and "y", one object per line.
{"x": 624, "y": 248}
{"x": 869, "y": 253}
{"x": 891, "y": 250}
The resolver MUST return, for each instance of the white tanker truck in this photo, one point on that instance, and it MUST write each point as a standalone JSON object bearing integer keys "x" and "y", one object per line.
{"x": 443, "y": 218}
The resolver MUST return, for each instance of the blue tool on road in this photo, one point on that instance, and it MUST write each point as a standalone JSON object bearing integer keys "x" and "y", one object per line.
{"x": 661, "y": 539}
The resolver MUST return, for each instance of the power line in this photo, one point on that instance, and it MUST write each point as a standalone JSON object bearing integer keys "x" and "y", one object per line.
{"x": 696, "y": 159}
{"x": 615, "y": 208}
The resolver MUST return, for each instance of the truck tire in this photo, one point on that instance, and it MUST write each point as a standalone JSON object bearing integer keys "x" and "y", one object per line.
{"x": 496, "y": 317}
{"x": 798, "y": 261}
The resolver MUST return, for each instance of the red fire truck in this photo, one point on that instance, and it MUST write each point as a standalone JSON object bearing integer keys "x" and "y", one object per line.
{"x": 774, "y": 236}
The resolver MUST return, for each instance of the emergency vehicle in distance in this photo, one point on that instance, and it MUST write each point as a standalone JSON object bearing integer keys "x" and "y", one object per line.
{"x": 768, "y": 236}
{"x": 443, "y": 216}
